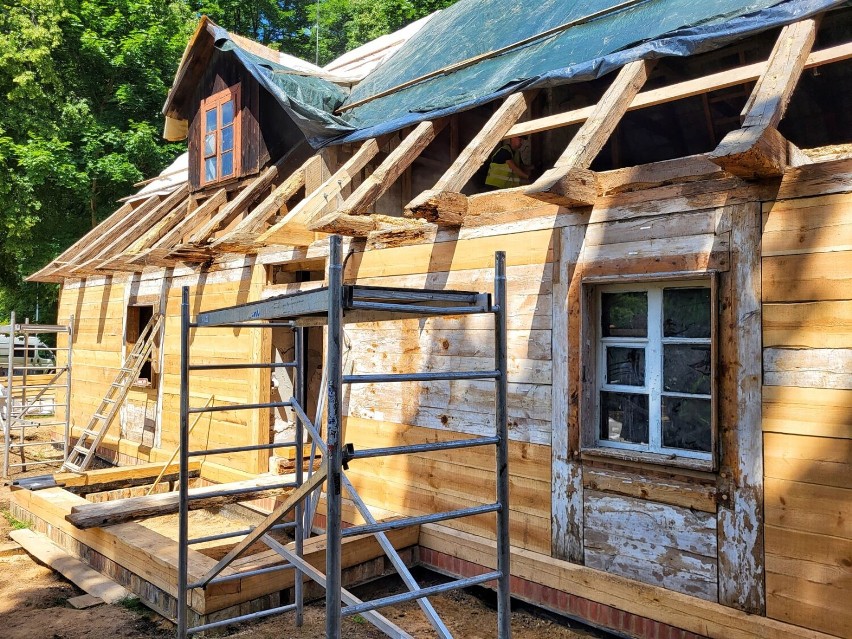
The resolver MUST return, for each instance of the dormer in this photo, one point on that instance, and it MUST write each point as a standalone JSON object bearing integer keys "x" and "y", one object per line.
{"x": 237, "y": 103}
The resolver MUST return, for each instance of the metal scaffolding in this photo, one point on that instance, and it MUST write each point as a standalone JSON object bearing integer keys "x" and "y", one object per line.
{"x": 32, "y": 381}
{"x": 334, "y": 305}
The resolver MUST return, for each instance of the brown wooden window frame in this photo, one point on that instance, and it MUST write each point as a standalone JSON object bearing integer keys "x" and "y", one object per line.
{"x": 216, "y": 102}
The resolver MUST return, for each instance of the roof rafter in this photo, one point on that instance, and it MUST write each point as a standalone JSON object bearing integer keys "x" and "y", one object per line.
{"x": 757, "y": 149}
{"x": 242, "y": 237}
{"x": 135, "y": 224}
{"x": 389, "y": 171}
{"x": 294, "y": 226}
{"x": 158, "y": 253}
{"x": 444, "y": 203}
{"x": 569, "y": 182}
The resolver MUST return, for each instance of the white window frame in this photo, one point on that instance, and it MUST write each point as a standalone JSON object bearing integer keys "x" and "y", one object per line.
{"x": 653, "y": 346}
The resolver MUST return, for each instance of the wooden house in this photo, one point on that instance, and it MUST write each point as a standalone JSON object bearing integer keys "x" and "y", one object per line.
{"x": 679, "y": 277}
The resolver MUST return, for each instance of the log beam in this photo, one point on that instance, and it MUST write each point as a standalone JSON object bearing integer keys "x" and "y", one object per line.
{"x": 756, "y": 149}
{"x": 444, "y": 204}
{"x": 569, "y": 183}
{"x": 315, "y": 204}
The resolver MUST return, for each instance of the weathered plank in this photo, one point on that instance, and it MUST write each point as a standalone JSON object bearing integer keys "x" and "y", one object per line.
{"x": 740, "y": 517}
{"x": 567, "y": 486}
{"x": 694, "y": 496}
{"x": 121, "y": 510}
{"x": 81, "y": 575}
{"x": 654, "y": 543}
{"x": 808, "y": 367}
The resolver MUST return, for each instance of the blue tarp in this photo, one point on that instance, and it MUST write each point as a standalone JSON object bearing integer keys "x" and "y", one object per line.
{"x": 644, "y": 30}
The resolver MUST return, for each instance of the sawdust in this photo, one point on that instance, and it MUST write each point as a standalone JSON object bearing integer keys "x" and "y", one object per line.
{"x": 33, "y": 605}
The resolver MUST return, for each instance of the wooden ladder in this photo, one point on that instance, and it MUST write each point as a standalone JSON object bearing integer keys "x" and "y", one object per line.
{"x": 81, "y": 455}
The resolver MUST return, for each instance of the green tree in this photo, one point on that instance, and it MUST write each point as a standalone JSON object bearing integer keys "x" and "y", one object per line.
{"x": 83, "y": 82}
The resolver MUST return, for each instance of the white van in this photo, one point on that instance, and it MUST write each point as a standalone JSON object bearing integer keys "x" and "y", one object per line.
{"x": 33, "y": 354}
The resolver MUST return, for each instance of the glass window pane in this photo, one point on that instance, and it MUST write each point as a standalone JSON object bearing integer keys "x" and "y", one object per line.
{"x": 210, "y": 169}
{"x": 624, "y": 418}
{"x": 686, "y": 423}
{"x": 227, "y": 163}
{"x": 228, "y": 138}
{"x": 624, "y": 314}
{"x": 686, "y": 368}
{"x": 227, "y": 113}
{"x": 209, "y": 144}
{"x": 686, "y": 312}
{"x": 210, "y": 120}
{"x": 625, "y": 366}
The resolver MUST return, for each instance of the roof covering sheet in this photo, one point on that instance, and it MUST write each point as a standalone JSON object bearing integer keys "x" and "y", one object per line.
{"x": 577, "y": 47}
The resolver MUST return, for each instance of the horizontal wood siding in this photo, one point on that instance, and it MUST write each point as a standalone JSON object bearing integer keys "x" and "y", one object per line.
{"x": 392, "y": 414}
{"x": 807, "y": 411}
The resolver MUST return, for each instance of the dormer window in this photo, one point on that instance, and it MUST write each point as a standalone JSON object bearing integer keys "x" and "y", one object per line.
{"x": 220, "y": 119}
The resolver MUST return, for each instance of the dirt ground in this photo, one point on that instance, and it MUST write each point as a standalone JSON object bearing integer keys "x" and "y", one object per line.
{"x": 33, "y": 605}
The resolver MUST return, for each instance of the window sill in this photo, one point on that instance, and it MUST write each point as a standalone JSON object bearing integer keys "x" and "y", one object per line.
{"x": 671, "y": 461}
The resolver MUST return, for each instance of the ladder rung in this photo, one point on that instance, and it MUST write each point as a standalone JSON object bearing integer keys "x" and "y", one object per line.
{"x": 99, "y": 416}
{"x": 72, "y": 467}
{"x": 91, "y": 433}
{"x": 82, "y": 450}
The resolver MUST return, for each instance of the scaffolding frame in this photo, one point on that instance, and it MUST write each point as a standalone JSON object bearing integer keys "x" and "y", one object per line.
{"x": 332, "y": 306}
{"x": 18, "y": 405}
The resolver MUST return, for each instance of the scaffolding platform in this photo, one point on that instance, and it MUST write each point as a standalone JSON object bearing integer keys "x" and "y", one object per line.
{"x": 358, "y": 304}
{"x": 333, "y": 306}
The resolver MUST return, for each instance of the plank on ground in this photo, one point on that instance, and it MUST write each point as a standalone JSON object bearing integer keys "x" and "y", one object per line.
{"x": 81, "y": 575}
{"x": 121, "y": 510}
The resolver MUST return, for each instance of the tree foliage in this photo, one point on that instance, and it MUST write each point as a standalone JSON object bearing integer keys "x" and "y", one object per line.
{"x": 82, "y": 84}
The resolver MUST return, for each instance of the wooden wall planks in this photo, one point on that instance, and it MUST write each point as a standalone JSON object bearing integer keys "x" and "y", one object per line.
{"x": 807, "y": 410}
{"x": 659, "y": 544}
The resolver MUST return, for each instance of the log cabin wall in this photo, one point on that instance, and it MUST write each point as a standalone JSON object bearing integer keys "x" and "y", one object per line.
{"x": 691, "y": 530}
{"x": 99, "y": 306}
{"x": 807, "y": 409}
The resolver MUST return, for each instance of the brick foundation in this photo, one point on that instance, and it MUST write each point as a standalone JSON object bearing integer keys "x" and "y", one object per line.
{"x": 558, "y": 601}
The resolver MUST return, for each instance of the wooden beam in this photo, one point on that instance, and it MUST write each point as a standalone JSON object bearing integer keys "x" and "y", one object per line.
{"x": 84, "y": 577}
{"x": 49, "y": 273}
{"x": 679, "y": 91}
{"x": 140, "y": 223}
{"x": 569, "y": 183}
{"x": 756, "y": 149}
{"x": 315, "y": 203}
{"x": 740, "y": 521}
{"x": 124, "y": 260}
{"x": 162, "y": 247}
{"x": 122, "y": 476}
{"x": 295, "y": 498}
{"x": 387, "y": 173}
{"x": 448, "y": 209}
{"x": 97, "y": 242}
{"x": 243, "y": 236}
{"x": 97, "y": 515}
{"x": 236, "y": 206}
